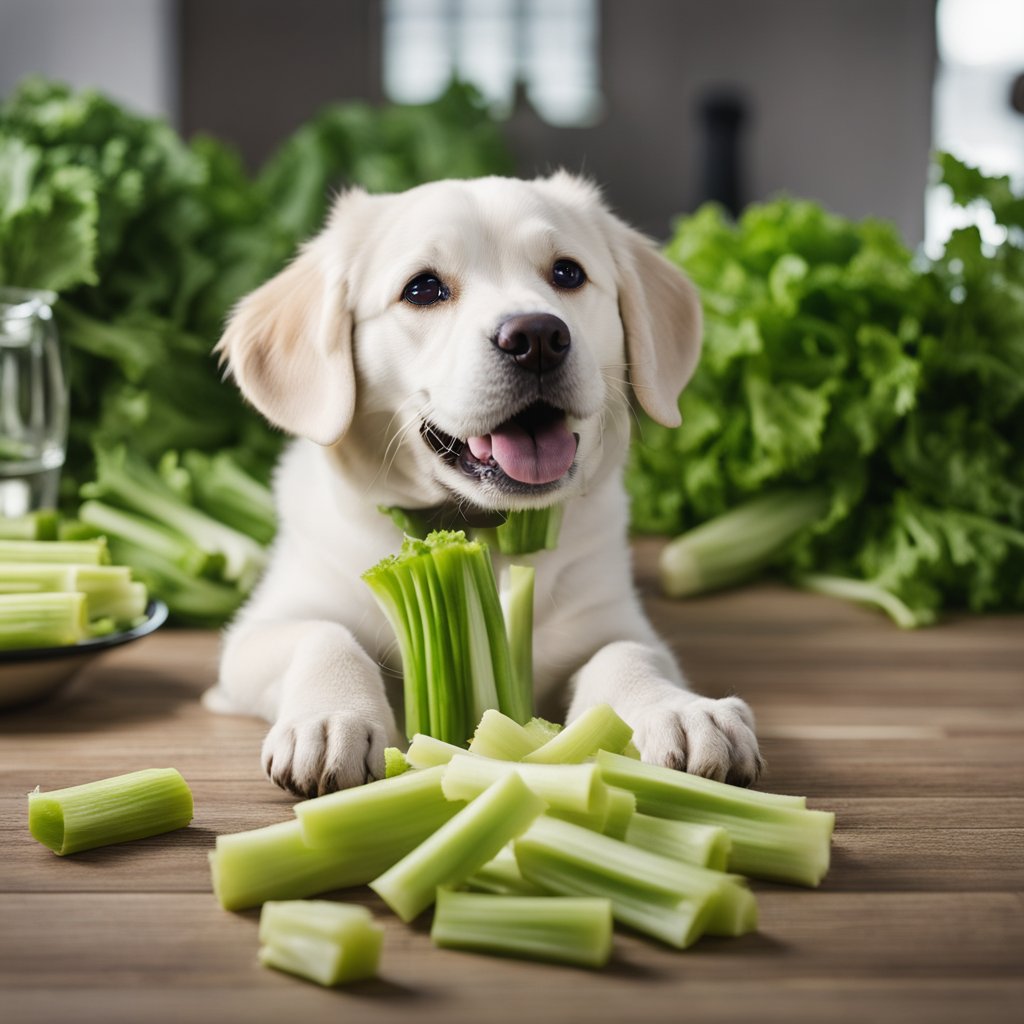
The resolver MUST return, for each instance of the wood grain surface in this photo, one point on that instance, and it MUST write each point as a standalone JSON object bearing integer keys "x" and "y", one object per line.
{"x": 916, "y": 740}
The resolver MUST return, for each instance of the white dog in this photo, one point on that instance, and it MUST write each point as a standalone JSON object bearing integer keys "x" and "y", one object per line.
{"x": 468, "y": 345}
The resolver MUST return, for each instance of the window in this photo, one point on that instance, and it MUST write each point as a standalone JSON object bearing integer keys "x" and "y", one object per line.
{"x": 548, "y": 50}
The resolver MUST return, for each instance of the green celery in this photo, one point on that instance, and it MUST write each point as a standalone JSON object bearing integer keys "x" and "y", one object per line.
{"x": 705, "y": 845}
{"x": 426, "y": 752}
{"x": 517, "y": 606}
{"x": 459, "y": 847}
{"x": 83, "y": 552}
{"x": 412, "y": 803}
{"x": 395, "y": 762}
{"x": 329, "y": 943}
{"x": 43, "y": 620}
{"x": 525, "y": 531}
{"x": 564, "y": 930}
{"x": 673, "y": 901}
{"x": 772, "y": 836}
{"x": 116, "y": 810}
{"x": 610, "y": 816}
{"x": 108, "y": 588}
{"x": 40, "y": 525}
{"x": 598, "y": 728}
{"x": 501, "y": 876}
{"x": 225, "y": 491}
{"x": 499, "y": 737}
{"x": 568, "y": 787}
{"x": 542, "y": 730}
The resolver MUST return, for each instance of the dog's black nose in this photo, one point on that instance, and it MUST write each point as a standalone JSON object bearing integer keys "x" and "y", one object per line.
{"x": 535, "y": 341}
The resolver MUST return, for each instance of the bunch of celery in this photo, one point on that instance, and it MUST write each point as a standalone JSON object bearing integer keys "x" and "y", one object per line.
{"x": 459, "y": 657}
{"x": 56, "y": 593}
{"x": 534, "y": 841}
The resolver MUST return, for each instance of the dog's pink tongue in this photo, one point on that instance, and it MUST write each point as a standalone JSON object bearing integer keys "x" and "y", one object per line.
{"x": 538, "y": 458}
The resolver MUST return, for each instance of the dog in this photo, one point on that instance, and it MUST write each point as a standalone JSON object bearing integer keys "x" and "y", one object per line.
{"x": 469, "y": 346}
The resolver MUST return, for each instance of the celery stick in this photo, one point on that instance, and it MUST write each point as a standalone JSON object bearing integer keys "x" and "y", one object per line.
{"x": 499, "y": 737}
{"x": 395, "y": 762}
{"x": 412, "y": 803}
{"x": 42, "y": 620}
{"x": 501, "y": 876}
{"x": 598, "y": 728}
{"x": 671, "y": 900}
{"x": 109, "y": 588}
{"x": 133, "y": 806}
{"x": 329, "y": 943}
{"x": 84, "y": 552}
{"x": 541, "y": 729}
{"x": 704, "y": 845}
{"x": 41, "y": 525}
{"x": 563, "y": 930}
{"x": 621, "y": 808}
{"x": 459, "y": 847}
{"x": 525, "y": 531}
{"x": 772, "y": 836}
{"x": 569, "y": 787}
{"x": 517, "y": 607}
{"x": 426, "y": 752}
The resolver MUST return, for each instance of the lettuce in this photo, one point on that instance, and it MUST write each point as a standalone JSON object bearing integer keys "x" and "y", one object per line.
{"x": 838, "y": 363}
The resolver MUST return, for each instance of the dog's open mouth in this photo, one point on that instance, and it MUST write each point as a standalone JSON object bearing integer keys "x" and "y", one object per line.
{"x": 534, "y": 448}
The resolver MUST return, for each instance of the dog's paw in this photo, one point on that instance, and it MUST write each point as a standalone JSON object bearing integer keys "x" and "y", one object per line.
{"x": 324, "y": 753}
{"x": 713, "y": 738}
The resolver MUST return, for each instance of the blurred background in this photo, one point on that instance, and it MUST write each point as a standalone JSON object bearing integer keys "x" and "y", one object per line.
{"x": 664, "y": 102}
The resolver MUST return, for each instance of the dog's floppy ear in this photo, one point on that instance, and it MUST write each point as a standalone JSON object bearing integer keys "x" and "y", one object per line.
{"x": 289, "y": 347}
{"x": 661, "y": 315}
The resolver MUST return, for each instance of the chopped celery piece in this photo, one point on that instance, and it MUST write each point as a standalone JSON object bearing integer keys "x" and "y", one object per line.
{"x": 569, "y": 787}
{"x": 395, "y": 762}
{"x": 705, "y": 845}
{"x": 517, "y": 607}
{"x": 671, "y": 900}
{"x": 329, "y": 943}
{"x": 598, "y": 728}
{"x": 41, "y": 525}
{"x": 459, "y": 847}
{"x": 630, "y": 750}
{"x": 498, "y": 737}
{"x": 117, "y": 810}
{"x": 541, "y": 729}
{"x": 224, "y": 490}
{"x": 772, "y": 836}
{"x": 564, "y": 930}
{"x": 525, "y": 531}
{"x": 82, "y": 552}
{"x": 441, "y": 599}
{"x": 109, "y": 588}
{"x": 501, "y": 876}
{"x": 621, "y": 808}
{"x": 42, "y": 620}
{"x": 427, "y": 752}
{"x": 412, "y": 803}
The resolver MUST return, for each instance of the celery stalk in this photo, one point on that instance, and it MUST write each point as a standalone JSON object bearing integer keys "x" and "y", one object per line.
{"x": 40, "y": 525}
{"x": 705, "y": 845}
{"x": 395, "y": 762}
{"x": 109, "y": 588}
{"x": 329, "y": 943}
{"x": 42, "y": 620}
{"x": 502, "y": 877}
{"x": 569, "y": 787}
{"x": 116, "y": 810}
{"x": 459, "y": 847}
{"x": 772, "y": 836}
{"x": 426, "y": 752}
{"x": 412, "y": 803}
{"x": 499, "y": 737}
{"x": 83, "y": 552}
{"x": 621, "y": 809}
{"x": 541, "y": 730}
{"x": 525, "y": 531}
{"x": 671, "y": 900}
{"x": 598, "y": 728}
{"x": 564, "y": 930}
{"x": 517, "y": 606}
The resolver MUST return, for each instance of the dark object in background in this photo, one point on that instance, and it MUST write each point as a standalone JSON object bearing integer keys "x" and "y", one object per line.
{"x": 722, "y": 116}
{"x": 1017, "y": 94}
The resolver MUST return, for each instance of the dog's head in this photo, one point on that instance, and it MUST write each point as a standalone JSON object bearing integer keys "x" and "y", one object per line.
{"x": 470, "y": 340}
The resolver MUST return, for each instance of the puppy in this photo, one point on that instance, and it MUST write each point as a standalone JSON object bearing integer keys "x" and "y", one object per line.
{"x": 463, "y": 347}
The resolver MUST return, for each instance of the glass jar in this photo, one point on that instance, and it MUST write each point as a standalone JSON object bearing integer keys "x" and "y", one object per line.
{"x": 33, "y": 402}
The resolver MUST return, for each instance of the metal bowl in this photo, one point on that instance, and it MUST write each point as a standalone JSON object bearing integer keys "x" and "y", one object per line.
{"x": 33, "y": 673}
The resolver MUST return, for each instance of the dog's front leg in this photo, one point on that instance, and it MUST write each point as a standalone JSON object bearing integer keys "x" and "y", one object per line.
{"x": 324, "y": 695}
{"x": 671, "y": 725}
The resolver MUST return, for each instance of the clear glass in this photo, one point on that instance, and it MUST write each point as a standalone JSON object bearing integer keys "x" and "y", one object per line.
{"x": 33, "y": 402}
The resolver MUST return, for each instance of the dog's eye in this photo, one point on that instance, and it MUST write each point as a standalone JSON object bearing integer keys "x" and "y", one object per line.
{"x": 425, "y": 290}
{"x": 567, "y": 274}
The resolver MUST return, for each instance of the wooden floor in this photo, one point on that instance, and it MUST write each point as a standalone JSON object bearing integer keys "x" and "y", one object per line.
{"x": 916, "y": 741}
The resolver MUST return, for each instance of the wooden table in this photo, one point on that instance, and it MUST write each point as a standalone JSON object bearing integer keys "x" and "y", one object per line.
{"x": 916, "y": 740}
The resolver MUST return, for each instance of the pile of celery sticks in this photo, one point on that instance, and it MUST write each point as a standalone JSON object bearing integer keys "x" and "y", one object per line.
{"x": 531, "y": 843}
